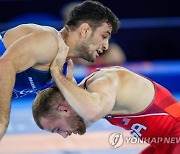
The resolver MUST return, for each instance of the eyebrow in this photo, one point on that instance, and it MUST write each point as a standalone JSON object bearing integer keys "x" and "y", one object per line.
{"x": 108, "y": 33}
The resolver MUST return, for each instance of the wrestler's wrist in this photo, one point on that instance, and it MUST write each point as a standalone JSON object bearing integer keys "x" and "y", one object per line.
{"x": 56, "y": 70}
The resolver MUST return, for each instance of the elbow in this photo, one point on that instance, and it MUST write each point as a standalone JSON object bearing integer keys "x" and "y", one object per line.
{"x": 91, "y": 118}
{"x": 95, "y": 110}
{"x": 100, "y": 110}
{"x": 94, "y": 115}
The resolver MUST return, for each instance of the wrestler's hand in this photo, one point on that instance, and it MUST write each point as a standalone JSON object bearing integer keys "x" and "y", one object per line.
{"x": 61, "y": 56}
{"x": 56, "y": 66}
{"x": 70, "y": 71}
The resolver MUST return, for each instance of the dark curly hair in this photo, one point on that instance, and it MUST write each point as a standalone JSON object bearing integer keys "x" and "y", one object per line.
{"x": 94, "y": 13}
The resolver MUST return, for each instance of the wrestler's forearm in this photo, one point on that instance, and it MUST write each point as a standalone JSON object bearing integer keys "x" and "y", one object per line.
{"x": 84, "y": 103}
{"x": 7, "y": 79}
{"x": 61, "y": 56}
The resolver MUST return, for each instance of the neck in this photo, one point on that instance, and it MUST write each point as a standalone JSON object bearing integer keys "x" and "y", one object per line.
{"x": 69, "y": 38}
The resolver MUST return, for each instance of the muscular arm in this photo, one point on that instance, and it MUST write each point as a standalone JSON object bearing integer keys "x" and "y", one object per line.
{"x": 7, "y": 78}
{"x": 26, "y": 52}
{"x": 94, "y": 103}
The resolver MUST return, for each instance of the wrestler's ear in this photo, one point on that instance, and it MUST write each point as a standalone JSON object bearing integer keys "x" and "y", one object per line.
{"x": 64, "y": 110}
{"x": 85, "y": 30}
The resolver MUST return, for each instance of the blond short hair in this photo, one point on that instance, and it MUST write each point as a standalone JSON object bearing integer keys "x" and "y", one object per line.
{"x": 46, "y": 104}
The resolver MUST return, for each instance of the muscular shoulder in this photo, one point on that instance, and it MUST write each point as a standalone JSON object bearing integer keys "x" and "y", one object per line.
{"x": 29, "y": 28}
{"x": 110, "y": 73}
{"x": 105, "y": 77}
{"x": 22, "y": 30}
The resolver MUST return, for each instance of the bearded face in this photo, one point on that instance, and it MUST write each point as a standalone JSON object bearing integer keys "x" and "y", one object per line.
{"x": 91, "y": 47}
{"x": 64, "y": 124}
{"x": 76, "y": 123}
{"x": 86, "y": 50}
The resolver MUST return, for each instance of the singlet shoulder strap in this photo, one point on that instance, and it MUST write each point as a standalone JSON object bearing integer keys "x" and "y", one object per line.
{"x": 90, "y": 75}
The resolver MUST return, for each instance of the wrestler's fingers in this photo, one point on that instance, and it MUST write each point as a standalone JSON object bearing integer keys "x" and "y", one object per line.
{"x": 70, "y": 69}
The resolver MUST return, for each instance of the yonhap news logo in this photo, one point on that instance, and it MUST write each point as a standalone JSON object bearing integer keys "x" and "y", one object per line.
{"x": 117, "y": 139}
